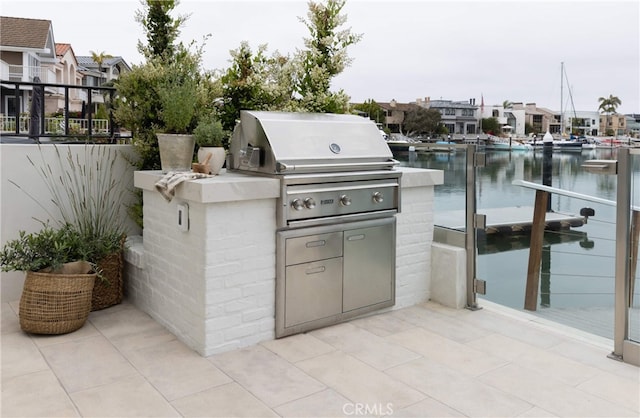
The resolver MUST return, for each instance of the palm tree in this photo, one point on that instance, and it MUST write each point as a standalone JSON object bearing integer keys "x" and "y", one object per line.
{"x": 608, "y": 106}
{"x": 99, "y": 59}
{"x": 507, "y": 104}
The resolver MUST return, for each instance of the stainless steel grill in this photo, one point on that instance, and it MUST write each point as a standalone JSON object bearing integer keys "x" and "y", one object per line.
{"x": 335, "y": 243}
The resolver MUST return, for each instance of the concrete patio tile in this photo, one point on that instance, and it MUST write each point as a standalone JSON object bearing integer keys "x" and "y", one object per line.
{"x": 595, "y": 355}
{"x": 434, "y": 320}
{"x": 536, "y": 412}
{"x": 616, "y": 389}
{"x": 8, "y": 320}
{"x": 382, "y": 325}
{"x": 270, "y": 378}
{"x": 327, "y": 403}
{"x": 87, "y": 331}
{"x": 128, "y": 328}
{"x": 427, "y": 408}
{"x": 359, "y": 382}
{"x": 20, "y": 356}
{"x": 176, "y": 370}
{"x": 561, "y": 368}
{"x": 131, "y": 396}
{"x": 546, "y": 392}
{"x": 37, "y": 394}
{"x": 365, "y": 346}
{"x": 514, "y": 324}
{"x": 298, "y": 347}
{"x": 229, "y": 400}
{"x": 458, "y": 390}
{"x": 87, "y": 363}
{"x": 450, "y": 353}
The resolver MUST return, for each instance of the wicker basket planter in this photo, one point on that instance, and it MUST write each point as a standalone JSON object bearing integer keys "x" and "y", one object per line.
{"x": 108, "y": 290}
{"x": 55, "y": 303}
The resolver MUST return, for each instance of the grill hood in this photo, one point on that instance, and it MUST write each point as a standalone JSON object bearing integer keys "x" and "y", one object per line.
{"x": 282, "y": 143}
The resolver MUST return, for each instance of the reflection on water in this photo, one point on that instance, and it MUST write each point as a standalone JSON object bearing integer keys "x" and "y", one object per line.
{"x": 578, "y": 265}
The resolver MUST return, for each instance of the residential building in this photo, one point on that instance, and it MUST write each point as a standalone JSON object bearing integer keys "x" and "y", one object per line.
{"x": 27, "y": 51}
{"x": 512, "y": 120}
{"x": 614, "y": 124}
{"x": 458, "y": 117}
{"x": 66, "y": 71}
{"x": 582, "y": 123}
{"x": 394, "y": 114}
{"x": 540, "y": 119}
{"x": 96, "y": 74}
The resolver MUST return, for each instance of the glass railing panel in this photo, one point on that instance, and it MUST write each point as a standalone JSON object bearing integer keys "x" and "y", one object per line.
{"x": 634, "y": 306}
{"x": 576, "y": 283}
{"x": 449, "y": 198}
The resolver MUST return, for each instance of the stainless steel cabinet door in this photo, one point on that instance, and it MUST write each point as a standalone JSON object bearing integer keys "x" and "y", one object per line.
{"x": 313, "y": 291}
{"x": 369, "y": 265}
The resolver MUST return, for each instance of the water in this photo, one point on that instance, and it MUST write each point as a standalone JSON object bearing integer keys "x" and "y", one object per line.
{"x": 578, "y": 265}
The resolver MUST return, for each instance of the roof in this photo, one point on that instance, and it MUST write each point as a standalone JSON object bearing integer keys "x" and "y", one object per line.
{"x": 405, "y": 107}
{"x": 62, "y": 49}
{"x": 24, "y": 33}
{"x": 88, "y": 62}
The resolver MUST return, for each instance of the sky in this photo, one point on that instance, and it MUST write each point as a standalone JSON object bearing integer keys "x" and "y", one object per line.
{"x": 450, "y": 49}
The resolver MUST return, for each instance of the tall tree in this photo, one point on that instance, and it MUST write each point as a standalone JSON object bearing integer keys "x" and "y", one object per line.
{"x": 608, "y": 106}
{"x": 161, "y": 29}
{"x": 373, "y": 110}
{"x": 325, "y": 57}
{"x": 99, "y": 59}
{"x": 507, "y": 104}
{"x": 421, "y": 121}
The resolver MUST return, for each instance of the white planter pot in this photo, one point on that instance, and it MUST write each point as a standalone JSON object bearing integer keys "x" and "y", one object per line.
{"x": 218, "y": 155}
{"x": 176, "y": 152}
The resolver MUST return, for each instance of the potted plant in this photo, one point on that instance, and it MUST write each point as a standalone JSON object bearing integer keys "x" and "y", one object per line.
{"x": 178, "y": 112}
{"x": 57, "y": 291}
{"x": 209, "y": 135}
{"x": 89, "y": 195}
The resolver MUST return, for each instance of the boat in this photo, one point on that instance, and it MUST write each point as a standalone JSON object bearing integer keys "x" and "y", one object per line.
{"x": 501, "y": 144}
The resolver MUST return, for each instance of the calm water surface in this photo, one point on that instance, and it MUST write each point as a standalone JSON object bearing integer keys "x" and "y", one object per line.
{"x": 578, "y": 265}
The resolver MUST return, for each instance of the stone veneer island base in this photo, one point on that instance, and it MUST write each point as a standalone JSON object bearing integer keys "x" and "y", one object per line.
{"x": 213, "y": 285}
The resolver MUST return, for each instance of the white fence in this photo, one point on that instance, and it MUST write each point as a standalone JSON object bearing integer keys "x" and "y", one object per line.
{"x": 54, "y": 126}
{"x": 19, "y": 212}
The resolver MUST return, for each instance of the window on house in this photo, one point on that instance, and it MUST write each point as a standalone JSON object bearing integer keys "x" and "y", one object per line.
{"x": 449, "y": 111}
{"x": 495, "y": 113}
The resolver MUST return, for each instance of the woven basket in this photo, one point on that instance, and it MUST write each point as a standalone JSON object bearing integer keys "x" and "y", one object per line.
{"x": 55, "y": 303}
{"x": 108, "y": 289}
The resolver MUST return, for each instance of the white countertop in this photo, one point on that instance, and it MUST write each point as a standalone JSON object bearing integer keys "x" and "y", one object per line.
{"x": 229, "y": 186}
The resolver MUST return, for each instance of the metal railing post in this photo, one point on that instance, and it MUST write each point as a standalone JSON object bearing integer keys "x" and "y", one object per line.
{"x": 470, "y": 227}
{"x": 623, "y": 224}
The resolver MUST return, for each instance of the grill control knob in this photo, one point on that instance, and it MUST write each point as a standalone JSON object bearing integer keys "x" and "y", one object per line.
{"x": 309, "y": 203}
{"x": 297, "y": 204}
{"x": 378, "y": 197}
{"x": 345, "y": 200}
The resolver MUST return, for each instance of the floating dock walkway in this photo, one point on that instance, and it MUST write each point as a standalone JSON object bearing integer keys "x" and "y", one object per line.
{"x": 509, "y": 220}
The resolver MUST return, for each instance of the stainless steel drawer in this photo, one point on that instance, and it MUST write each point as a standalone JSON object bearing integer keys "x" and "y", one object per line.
{"x": 313, "y": 247}
{"x": 313, "y": 291}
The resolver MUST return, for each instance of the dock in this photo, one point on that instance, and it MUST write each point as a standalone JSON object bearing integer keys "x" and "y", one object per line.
{"x": 509, "y": 220}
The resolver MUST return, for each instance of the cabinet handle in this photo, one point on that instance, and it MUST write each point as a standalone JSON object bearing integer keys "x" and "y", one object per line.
{"x": 355, "y": 237}
{"x": 316, "y": 270}
{"x": 319, "y": 243}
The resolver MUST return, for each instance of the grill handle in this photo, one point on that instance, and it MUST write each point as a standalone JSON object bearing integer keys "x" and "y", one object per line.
{"x": 282, "y": 167}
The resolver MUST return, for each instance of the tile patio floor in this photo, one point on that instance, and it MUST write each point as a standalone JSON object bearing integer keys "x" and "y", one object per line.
{"x": 424, "y": 361}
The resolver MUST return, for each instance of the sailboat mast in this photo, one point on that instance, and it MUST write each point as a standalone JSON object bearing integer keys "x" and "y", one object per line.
{"x": 561, "y": 98}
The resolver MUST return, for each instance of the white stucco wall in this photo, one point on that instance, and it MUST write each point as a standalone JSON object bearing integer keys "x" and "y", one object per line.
{"x": 19, "y": 212}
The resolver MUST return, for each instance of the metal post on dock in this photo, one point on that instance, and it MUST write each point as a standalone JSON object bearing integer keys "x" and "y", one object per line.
{"x": 547, "y": 164}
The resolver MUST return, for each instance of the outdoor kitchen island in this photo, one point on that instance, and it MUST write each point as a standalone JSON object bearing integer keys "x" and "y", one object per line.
{"x": 209, "y": 277}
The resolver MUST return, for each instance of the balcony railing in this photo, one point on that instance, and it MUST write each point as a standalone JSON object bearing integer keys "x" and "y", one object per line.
{"x": 55, "y": 126}
{"x": 20, "y": 124}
